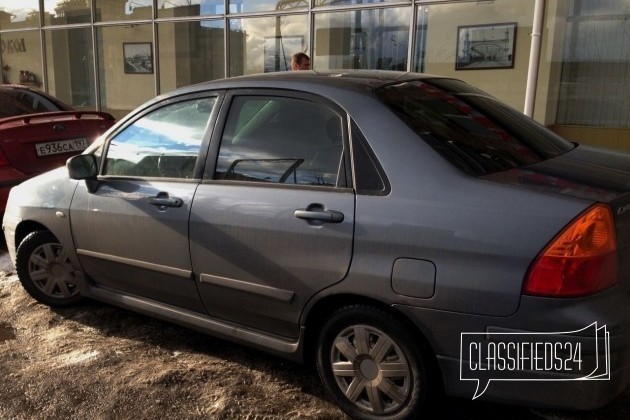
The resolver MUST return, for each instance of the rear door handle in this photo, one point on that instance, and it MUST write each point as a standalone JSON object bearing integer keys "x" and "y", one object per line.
{"x": 328, "y": 216}
{"x": 163, "y": 200}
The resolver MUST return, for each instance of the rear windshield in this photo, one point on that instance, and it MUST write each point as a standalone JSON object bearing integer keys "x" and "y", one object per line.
{"x": 14, "y": 102}
{"x": 474, "y": 131}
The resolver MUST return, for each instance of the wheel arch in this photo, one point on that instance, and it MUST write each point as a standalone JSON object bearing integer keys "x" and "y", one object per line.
{"x": 25, "y": 228}
{"x": 322, "y": 309}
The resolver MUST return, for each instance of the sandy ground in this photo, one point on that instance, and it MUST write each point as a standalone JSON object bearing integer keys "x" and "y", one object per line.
{"x": 95, "y": 361}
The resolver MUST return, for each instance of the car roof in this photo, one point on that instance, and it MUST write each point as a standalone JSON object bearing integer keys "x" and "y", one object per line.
{"x": 369, "y": 77}
{"x": 310, "y": 80}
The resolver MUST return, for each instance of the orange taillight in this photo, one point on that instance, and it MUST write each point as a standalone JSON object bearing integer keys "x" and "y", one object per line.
{"x": 581, "y": 260}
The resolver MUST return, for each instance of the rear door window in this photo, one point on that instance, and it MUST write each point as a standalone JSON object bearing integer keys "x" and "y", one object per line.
{"x": 281, "y": 140}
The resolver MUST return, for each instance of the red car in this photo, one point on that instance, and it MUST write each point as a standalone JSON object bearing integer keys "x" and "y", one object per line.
{"x": 39, "y": 133}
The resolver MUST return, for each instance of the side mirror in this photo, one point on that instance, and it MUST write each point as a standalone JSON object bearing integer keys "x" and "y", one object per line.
{"x": 82, "y": 167}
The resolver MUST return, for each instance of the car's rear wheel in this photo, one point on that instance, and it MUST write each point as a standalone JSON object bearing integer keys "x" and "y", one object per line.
{"x": 45, "y": 270}
{"x": 371, "y": 366}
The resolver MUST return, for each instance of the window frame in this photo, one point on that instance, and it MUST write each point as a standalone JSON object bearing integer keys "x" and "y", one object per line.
{"x": 344, "y": 176}
{"x": 154, "y": 106}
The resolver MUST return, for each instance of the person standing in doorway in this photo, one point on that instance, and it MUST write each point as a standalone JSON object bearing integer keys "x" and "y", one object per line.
{"x": 300, "y": 61}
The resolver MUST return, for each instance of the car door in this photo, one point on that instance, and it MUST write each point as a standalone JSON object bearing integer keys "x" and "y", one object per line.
{"x": 272, "y": 221}
{"x": 131, "y": 234}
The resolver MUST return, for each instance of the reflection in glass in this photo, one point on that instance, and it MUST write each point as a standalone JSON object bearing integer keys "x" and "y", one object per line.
{"x": 164, "y": 143}
{"x": 120, "y": 92}
{"x": 362, "y": 39}
{"x": 177, "y": 8}
{"x": 21, "y": 59}
{"x": 437, "y": 29}
{"x": 106, "y": 10}
{"x": 266, "y": 44}
{"x": 594, "y": 87}
{"x": 63, "y": 12}
{"x": 26, "y": 15}
{"x": 280, "y": 140}
{"x": 70, "y": 66}
{"x": 240, "y": 6}
{"x": 190, "y": 52}
{"x": 468, "y": 129}
{"x": 317, "y": 3}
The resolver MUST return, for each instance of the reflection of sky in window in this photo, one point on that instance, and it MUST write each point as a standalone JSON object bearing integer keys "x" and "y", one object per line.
{"x": 163, "y": 136}
{"x": 21, "y": 8}
{"x": 132, "y": 4}
{"x": 258, "y": 28}
{"x": 228, "y": 155}
{"x": 264, "y": 166}
{"x": 206, "y": 7}
{"x": 378, "y": 37}
{"x": 129, "y": 152}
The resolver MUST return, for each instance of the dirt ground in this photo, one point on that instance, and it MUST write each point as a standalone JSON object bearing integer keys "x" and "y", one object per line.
{"x": 95, "y": 361}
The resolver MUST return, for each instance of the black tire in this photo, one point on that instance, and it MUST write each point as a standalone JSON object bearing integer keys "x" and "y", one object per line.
{"x": 372, "y": 367}
{"x": 45, "y": 270}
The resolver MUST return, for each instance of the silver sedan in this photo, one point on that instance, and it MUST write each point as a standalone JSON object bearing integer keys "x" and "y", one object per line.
{"x": 409, "y": 233}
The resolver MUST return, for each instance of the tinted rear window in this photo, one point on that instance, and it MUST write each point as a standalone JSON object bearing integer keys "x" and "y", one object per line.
{"x": 474, "y": 131}
{"x": 14, "y": 102}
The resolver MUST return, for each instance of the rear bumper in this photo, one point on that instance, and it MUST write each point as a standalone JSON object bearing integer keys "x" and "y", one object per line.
{"x": 546, "y": 320}
{"x": 542, "y": 389}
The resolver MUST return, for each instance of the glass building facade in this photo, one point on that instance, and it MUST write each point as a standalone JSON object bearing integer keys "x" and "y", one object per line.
{"x": 112, "y": 55}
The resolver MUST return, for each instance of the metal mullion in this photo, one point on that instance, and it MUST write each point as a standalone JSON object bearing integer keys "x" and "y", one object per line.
{"x": 411, "y": 45}
{"x": 156, "y": 56}
{"x": 97, "y": 74}
{"x": 42, "y": 44}
{"x": 310, "y": 33}
{"x": 226, "y": 39}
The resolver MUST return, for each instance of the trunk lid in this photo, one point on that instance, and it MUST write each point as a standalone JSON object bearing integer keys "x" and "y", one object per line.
{"x": 36, "y": 143}
{"x": 589, "y": 173}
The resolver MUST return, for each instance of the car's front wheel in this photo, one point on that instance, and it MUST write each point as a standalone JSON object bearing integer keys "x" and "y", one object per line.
{"x": 45, "y": 270}
{"x": 371, "y": 366}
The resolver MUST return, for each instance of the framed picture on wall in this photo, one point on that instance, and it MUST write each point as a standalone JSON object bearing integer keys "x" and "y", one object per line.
{"x": 138, "y": 57}
{"x": 278, "y": 51}
{"x": 482, "y": 47}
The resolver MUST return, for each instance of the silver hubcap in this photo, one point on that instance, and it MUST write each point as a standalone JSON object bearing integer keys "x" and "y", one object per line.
{"x": 51, "y": 271}
{"x": 370, "y": 369}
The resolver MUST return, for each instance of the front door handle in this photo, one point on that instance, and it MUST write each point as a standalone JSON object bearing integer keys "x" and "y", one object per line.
{"x": 320, "y": 215}
{"x": 163, "y": 200}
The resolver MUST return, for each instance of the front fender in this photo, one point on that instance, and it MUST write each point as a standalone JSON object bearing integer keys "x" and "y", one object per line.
{"x": 41, "y": 202}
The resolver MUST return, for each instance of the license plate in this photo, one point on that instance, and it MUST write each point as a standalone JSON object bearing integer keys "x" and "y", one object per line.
{"x": 61, "y": 146}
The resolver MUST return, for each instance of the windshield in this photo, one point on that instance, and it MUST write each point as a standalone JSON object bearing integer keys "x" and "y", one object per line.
{"x": 474, "y": 131}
